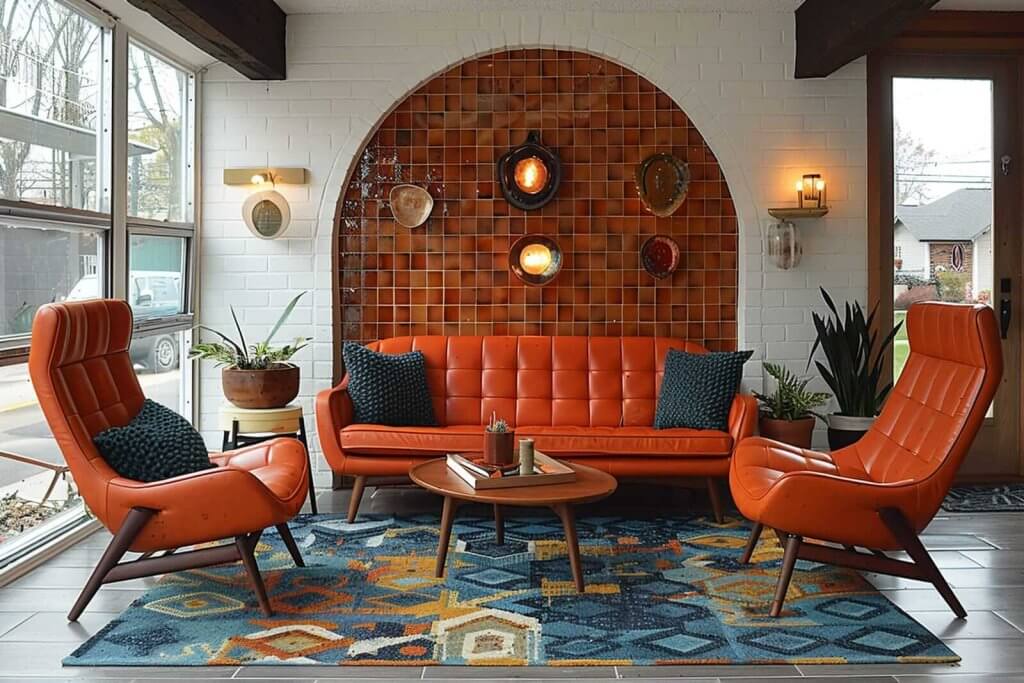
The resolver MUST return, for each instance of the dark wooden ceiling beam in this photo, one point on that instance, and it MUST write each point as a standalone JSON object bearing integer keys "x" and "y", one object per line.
{"x": 248, "y": 35}
{"x": 833, "y": 33}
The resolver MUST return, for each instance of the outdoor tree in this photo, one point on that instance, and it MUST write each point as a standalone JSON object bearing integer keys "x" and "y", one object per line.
{"x": 912, "y": 158}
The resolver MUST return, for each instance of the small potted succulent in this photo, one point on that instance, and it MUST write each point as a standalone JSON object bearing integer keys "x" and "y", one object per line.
{"x": 854, "y": 362}
{"x": 499, "y": 442}
{"x": 254, "y": 375}
{"x": 787, "y": 414}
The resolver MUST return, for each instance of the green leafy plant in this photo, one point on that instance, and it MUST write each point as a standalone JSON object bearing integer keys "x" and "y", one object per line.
{"x": 854, "y": 356}
{"x": 496, "y": 425}
{"x": 790, "y": 400}
{"x": 259, "y": 356}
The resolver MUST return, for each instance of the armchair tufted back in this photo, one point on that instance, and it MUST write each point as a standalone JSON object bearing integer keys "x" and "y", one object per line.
{"x": 85, "y": 383}
{"x": 939, "y": 402}
{"x": 536, "y": 381}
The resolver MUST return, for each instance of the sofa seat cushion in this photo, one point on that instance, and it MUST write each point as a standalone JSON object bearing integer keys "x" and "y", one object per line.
{"x": 370, "y": 439}
{"x": 628, "y": 441}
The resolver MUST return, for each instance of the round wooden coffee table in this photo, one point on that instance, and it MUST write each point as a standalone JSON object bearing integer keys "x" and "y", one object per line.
{"x": 590, "y": 485}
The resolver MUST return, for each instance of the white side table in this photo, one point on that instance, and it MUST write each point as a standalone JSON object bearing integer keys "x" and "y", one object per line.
{"x": 245, "y": 426}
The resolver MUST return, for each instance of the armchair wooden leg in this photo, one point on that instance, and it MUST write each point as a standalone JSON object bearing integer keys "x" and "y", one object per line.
{"x": 904, "y": 533}
{"x": 755, "y": 536}
{"x": 289, "y": 542}
{"x": 786, "y": 574}
{"x": 246, "y": 545}
{"x": 130, "y": 528}
{"x": 357, "y": 496}
{"x": 715, "y": 494}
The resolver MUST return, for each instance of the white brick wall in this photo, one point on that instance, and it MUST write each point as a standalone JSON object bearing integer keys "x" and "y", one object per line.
{"x": 729, "y": 70}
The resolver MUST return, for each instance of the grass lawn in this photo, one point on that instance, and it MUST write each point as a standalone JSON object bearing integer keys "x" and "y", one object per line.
{"x": 900, "y": 345}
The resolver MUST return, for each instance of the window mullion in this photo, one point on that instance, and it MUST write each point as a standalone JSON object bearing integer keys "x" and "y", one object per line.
{"x": 118, "y": 243}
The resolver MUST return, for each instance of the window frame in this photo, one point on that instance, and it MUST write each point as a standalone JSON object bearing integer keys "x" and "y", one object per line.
{"x": 115, "y": 227}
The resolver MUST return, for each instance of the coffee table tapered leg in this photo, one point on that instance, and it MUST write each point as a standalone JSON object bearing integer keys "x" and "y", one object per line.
{"x": 565, "y": 512}
{"x": 499, "y": 525}
{"x": 447, "y": 517}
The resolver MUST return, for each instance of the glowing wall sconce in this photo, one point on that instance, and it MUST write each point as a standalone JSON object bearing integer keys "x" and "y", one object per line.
{"x": 810, "y": 192}
{"x": 266, "y": 212}
{"x": 529, "y": 174}
{"x": 535, "y": 259}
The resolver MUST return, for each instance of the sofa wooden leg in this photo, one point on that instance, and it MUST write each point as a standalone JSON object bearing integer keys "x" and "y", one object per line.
{"x": 246, "y": 546}
{"x": 786, "y": 574}
{"x": 715, "y": 494}
{"x": 289, "y": 542}
{"x": 357, "y": 496}
{"x": 904, "y": 533}
{"x": 130, "y": 528}
{"x": 755, "y": 536}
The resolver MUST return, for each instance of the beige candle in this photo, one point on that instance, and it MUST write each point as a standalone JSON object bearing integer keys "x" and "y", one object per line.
{"x": 525, "y": 456}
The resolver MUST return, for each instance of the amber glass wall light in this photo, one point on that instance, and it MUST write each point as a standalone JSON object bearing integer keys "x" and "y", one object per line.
{"x": 535, "y": 259}
{"x": 529, "y": 174}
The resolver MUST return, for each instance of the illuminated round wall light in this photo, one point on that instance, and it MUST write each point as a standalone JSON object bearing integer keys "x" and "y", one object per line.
{"x": 535, "y": 259}
{"x": 529, "y": 174}
{"x": 266, "y": 214}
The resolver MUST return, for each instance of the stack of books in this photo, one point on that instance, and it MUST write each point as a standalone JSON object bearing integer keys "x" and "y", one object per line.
{"x": 481, "y": 476}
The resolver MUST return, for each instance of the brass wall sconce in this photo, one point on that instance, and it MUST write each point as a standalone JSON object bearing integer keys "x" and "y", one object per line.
{"x": 535, "y": 259}
{"x": 810, "y": 192}
{"x": 266, "y": 212}
{"x": 529, "y": 174}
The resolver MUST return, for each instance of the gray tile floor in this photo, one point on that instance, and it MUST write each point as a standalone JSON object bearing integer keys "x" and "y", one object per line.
{"x": 981, "y": 554}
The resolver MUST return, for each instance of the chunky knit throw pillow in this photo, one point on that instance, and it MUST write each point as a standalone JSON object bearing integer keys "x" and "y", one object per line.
{"x": 157, "y": 444}
{"x": 698, "y": 388}
{"x": 388, "y": 389}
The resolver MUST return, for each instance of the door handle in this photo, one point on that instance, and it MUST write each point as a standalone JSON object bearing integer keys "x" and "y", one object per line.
{"x": 1005, "y": 306}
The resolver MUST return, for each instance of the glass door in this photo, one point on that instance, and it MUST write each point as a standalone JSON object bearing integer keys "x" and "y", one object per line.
{"x": 955, "y": 202}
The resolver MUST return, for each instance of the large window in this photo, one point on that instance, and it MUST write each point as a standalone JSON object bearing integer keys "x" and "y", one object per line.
{"x": 84, "y": 215}
{"x": 53, "y": 99}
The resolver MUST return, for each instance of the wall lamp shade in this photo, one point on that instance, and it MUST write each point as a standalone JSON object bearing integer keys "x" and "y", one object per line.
{"x": 784, "y": 245}
{"x": 535, "y": 259}
{"x": 529, "y": 174}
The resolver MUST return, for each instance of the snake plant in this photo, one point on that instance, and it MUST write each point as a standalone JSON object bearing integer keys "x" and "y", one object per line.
{"x": 854, "y": 358}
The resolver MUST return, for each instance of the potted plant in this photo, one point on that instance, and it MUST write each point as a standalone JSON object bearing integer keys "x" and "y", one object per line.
{"x": 787, "y": 414}
{"x": 853, "y": 369}
{"x": 499, "y": 442}
{"x": 257, "y": 375}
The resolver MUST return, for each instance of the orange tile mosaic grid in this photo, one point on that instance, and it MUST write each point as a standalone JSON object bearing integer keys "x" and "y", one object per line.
{"x": 450, "y": 276}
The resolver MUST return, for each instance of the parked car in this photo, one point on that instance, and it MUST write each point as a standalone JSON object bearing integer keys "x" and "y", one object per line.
{"x": 152, "y": 294}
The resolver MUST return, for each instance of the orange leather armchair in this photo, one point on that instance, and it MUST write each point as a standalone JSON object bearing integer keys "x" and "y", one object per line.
{"x": 85, "y": 383}
{"x": 881, "y": 492}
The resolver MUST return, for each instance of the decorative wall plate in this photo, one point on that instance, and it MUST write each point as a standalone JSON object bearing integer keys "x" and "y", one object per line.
{"x": 662, "y": 181}
{"x": 411, "y": 205}
{"x": 266, "y": 214}
{"x": 660, "y": 256}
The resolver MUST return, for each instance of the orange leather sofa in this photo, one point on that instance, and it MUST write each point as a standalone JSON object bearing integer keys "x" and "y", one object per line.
{"x": 85, "y": 383}
{"x": 882, "y": 491}
{"x": 585, "y": 399}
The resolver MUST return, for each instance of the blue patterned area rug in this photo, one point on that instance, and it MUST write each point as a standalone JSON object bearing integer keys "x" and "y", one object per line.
{"x": 659, "y": 591}
{"x": 991, "y": 498}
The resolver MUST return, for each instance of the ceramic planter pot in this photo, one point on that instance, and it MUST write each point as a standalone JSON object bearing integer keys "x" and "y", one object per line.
{"x": 498, "y": 448}
{"x": 274, "y": 387}
{"x": 794, "y": 432}
{"x": 844, "y": 430}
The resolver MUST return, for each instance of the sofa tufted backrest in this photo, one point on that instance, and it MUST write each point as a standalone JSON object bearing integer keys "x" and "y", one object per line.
{"x": 540, "y": 381}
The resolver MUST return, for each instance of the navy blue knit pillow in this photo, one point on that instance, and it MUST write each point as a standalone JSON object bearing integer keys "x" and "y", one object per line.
{"x": 698, "y": 389}
{"x": 388, "y": 389}
{"x": 157, "y": 444}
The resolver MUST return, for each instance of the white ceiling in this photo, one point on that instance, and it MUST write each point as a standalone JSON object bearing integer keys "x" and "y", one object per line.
{"x": 333, "y": 6}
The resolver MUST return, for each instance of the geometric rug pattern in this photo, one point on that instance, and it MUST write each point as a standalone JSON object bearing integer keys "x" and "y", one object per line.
{"x": 998, "y": 498}
{"x": 659, "y": 591}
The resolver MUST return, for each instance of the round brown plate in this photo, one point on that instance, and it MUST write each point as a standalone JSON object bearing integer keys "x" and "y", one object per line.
{"x": 660, "y": 256}
{"x": 661, "y": 181}
{"x": 411, "y": 205}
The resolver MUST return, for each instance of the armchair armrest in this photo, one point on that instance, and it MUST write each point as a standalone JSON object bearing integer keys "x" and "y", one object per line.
{"x": 333, "y": 412}
{"x": 742, "y": 418}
